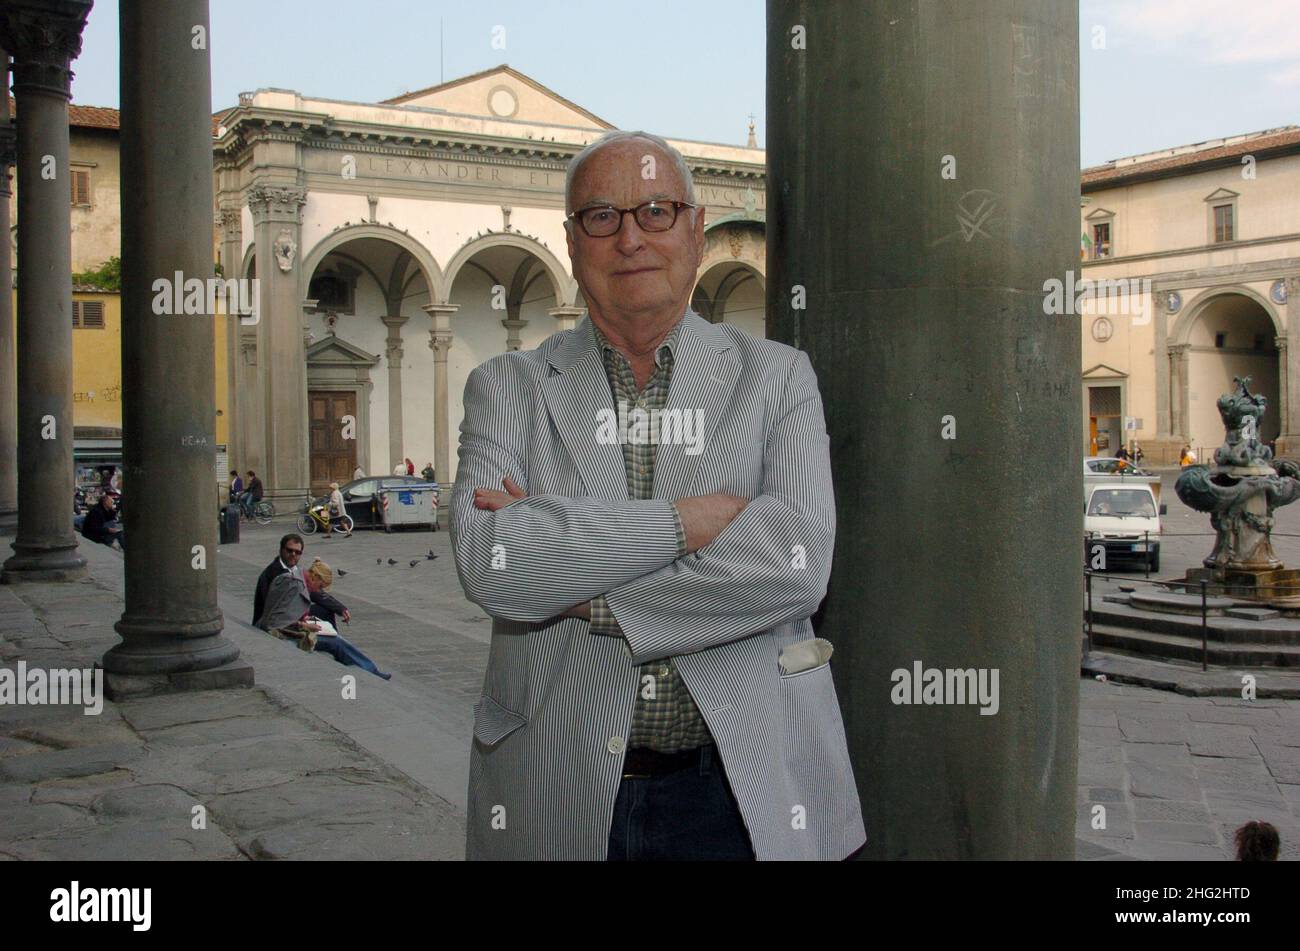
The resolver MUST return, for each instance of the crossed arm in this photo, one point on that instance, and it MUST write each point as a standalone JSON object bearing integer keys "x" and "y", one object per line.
{"x": 748, "y": 565}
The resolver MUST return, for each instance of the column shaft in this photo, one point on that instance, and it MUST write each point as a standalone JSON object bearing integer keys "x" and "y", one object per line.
{"x": 920, "y": 209}
{"x": 171, "y": 624}
{"x": 44, "y": 39}
{"x": 394, "y": 353}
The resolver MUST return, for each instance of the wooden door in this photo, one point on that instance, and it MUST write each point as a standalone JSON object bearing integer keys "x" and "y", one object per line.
{"x": 333, "y": 458}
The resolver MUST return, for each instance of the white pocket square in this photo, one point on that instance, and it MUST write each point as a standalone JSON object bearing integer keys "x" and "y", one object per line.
{"x": 805, "y": 655}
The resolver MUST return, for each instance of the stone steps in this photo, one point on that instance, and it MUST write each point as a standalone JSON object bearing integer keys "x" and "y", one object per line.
{"x": 1186, "y": 646}
{"x": 1224, "y": 628}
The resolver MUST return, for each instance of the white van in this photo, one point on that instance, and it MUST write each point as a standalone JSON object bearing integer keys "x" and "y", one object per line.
{"x": 1125, "y": 521}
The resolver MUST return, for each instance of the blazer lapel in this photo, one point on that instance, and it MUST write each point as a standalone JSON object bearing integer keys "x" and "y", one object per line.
{"x": 576, "y": 390}
{"x": 705, "y": 371}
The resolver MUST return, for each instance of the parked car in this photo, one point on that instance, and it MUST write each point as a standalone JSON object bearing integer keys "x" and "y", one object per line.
{"x": 1125, "y": 522}
{"x": 1109, "y": 465}
{"x": 361, "y": 497}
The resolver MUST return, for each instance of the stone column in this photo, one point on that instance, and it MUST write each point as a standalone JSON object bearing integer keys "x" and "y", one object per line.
{"x": 171, "y": 627}
{"x": 1178, "y": 366}
{"x": 1284, "y": 388}
{"x": 1289, "y": 370}
{"x": 394, "y": 353}
{"x": 940, "y": 182}
{"x": 44, "y": 38}
{"x": 440, "y": 342}
{"x": 8, "y": 388}
{"x": 281, "y": 366}
{"x": 232, "y": 241}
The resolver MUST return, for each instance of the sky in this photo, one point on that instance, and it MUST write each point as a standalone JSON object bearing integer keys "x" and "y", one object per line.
{"x": 1153, "y": 73}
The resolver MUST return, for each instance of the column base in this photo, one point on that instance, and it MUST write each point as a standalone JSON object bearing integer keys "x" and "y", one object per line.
{"x": 43, "y": 564}
{"x": 120, "y": 686}
{"x": 1288, "y": 444}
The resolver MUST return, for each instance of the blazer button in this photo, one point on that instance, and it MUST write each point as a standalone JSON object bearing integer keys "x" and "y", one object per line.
{"x": 615, "y": 744}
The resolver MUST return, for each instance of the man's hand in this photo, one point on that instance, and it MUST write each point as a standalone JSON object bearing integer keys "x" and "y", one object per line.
{"x": 493, "y": 499}
{"x": 705, "y": 517}
{"x": 347, "y": 616}
{"x": 582, "y": 610}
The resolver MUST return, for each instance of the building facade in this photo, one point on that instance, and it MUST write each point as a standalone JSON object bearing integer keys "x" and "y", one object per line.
{"x": 398, "y": 245}
{"x": 1197, "y": 252}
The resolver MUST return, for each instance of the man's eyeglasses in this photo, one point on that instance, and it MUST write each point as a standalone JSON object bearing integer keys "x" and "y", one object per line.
{"x": 605, "y": 220}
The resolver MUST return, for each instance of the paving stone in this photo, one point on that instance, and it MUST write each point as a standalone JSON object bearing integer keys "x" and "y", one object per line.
{"x": 1283, "y": 761}
{"x": 1170, "y": 810}
{"x": 56, "y": 764}
{"x": 1173, "y": 754}
{"x": 1192, "y": 832}
{"x": 209, "y": 732}
{"x": 146, "y": 802}
{"x": 321, "y": 798}
{"x": 411, "y": 838}
{"x": 11, "y": 746}
{"x": 1102, "y": 794}
{"x": 80, "y": 790}
{"x": 1152, "y": 731}
{"x": 155, "y": 713}
{"x": 78, "y": 731}
{"x": 36, "y": 820}
{"x": 1163, "y": 782}
{"x": 1245, "y": 715}
{"x": 1222, "y": 741}
{"x": 1158, "y": 850}
{"x": 133, "y": 840}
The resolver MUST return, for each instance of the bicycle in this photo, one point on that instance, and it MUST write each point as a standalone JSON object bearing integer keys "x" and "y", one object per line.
{"x": 314, "y": 516}
{"x": 263, "y": 512}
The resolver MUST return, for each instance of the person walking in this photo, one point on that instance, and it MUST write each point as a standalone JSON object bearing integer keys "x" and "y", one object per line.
{"x": 335, "y": 509}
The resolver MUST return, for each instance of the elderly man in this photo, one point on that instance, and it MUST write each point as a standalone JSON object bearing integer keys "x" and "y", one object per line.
{"x": 653, "y": 689}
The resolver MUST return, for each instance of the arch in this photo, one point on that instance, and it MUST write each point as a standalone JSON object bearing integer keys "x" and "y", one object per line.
{"x": 1183, "y": 329}
{"x": 246, "y": 266}
{"x": 433, "y": 275}
{"x": 564, "y": 286}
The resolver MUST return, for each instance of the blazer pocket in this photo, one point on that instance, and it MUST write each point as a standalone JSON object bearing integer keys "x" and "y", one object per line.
{"x": 493, "y": 722}
{"x": 804, "y": 657}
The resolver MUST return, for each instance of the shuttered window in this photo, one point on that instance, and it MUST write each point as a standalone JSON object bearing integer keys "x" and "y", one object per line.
{"x": 80, "y": 187}
{"x": 88, "y": 314}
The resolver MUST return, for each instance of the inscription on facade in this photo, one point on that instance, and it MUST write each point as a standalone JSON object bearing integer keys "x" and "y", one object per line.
{"x": 402, "y": 169}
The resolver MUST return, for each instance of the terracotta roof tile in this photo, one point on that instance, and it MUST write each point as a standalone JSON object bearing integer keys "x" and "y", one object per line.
{"x": 1260, "y": 142}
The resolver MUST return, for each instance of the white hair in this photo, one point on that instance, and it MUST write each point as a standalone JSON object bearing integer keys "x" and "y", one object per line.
{"x": 620, "y": 135}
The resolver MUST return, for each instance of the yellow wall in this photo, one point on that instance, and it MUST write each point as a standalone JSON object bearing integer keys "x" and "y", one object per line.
{"x": 97, "y": 368}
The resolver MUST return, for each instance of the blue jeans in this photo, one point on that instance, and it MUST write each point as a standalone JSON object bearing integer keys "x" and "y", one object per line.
{"x": 347, "y": 653}
{"x": 689, "y": 815}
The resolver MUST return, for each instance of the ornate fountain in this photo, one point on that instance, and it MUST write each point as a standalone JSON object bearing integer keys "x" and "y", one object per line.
{"x": 1241, "y": 491}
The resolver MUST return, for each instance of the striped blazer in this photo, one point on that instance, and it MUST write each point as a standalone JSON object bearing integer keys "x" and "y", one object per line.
{"x": 550, "y": 728}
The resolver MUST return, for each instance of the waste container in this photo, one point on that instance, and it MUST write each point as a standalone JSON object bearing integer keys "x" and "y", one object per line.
{"x": 228, "y": 525}
{"x": 409, "y": 505}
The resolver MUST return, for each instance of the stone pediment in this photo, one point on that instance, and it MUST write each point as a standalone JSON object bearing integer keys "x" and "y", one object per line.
{"x": 1221, "y": 194}
{"x": 1100, "y": 213}
{"x": 502, "y": 93}
{"x": 334, "y": 351}
{"x": 1102, "y": 371}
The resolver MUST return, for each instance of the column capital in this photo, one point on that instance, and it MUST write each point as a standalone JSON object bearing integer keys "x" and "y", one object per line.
{"x": 43, "y": 38}
{"x": 1179, "y": 349}
{"x": 440, "y": 318}
{"x": 1280, "y": 342}
{"x": 231, "y": 219}
{"x": 279, "y": 203}
{"x": 394, "y": 323}
{"x": 439, "y": 343}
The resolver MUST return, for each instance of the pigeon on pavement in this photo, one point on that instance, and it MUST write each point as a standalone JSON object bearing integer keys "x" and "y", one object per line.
{"x": 414, "y": 562}
{"x": 430, "y": 556}
{"x": 392, "y": 561}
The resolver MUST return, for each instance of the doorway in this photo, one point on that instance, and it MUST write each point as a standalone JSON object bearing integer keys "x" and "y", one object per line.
{"x": 333, "y": 457}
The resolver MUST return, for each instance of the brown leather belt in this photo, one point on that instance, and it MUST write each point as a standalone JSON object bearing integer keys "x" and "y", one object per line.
{"x": 644, "y": 763}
